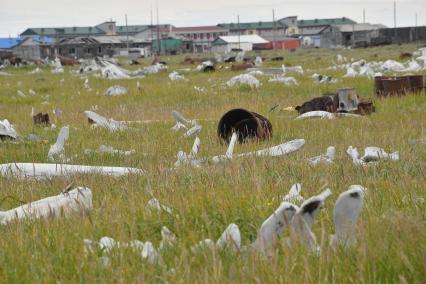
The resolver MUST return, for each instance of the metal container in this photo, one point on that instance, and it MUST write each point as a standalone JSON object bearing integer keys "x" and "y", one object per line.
{"x": 247, "y": 124}
{"x": 398, "y": 85}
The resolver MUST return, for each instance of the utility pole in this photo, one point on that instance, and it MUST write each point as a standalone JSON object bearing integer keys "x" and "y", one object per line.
{"x": 363, "y": 15}
{"x": 394, "y": 14}
{"x": 415, "y": 28}
{"x": 274, "y": 29}
{"x": 152, "y": 27}
{"x": 158, "y": 33}
{"x": 239, "y": 32}
{"x": 394, "y": 19}
{"x": 127, "y": 35}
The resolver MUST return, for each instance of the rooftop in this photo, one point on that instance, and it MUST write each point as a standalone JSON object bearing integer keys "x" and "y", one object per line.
{"x": 9, "y": 42}
{"x": 252, "y": 25}
{"x": 198, "y": 28}
{"x": 255, "y": 39}
{"x": 324, "y": 22}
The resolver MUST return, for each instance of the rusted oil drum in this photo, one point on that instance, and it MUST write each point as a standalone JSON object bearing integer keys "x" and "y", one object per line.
{"x": 247, "y": 124}
{"x": 416, "y": 83}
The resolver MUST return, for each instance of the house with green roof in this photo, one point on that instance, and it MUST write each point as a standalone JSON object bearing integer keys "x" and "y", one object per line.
{"x": 108, "y": 28}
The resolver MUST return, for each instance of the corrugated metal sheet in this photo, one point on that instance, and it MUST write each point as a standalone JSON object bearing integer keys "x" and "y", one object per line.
{"x": 9, "y": 42}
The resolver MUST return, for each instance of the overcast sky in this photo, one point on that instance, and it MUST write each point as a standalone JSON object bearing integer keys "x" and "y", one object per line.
{"x": 17, "y": 15}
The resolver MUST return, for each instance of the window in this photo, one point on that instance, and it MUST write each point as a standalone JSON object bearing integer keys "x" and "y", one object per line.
{"x": 208, "y": 36}
{"x": 60, "y": 50}
{"x": 99, "y": 49}
{"x": 201, "y": 36}
{"x": 71, "y": 50}
{"x": 195, "y": 36}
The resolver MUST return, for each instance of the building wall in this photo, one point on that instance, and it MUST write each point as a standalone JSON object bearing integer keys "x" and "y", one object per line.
{"x": 201, "y": 39}
{"x": 331, "y": 37}
{"x": 224, "y": 48}
{"x": 33, "y": 52}
{"x": 403, "y": 35}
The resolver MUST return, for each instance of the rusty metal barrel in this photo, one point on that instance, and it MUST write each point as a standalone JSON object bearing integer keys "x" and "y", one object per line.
{"x": 247, "y": 124}
{"x": 398, "y": 85}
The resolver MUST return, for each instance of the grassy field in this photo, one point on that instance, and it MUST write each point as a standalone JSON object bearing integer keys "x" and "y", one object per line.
{"x": 391, "y": 230}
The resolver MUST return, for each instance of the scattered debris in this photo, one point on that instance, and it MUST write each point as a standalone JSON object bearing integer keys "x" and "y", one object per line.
{"x": 325, "y": 115}
{"x": 20, "y": 94}
{"x": 273, "y": 227}
{"x": 305, "y": 217}
{"x": 107, "y": 123}
{"x": 174, "y": 76}
{"x": 399, "y": 85}
{"x": 41, "y": 119}
{"x": 247, "y": 124}
{"x": 189, "y": 60}
{"x": 155, "y": 205}
{"x": 116, "y": 91}
{"x": 292, "y": 69}
{"x": 88, "y": 66}
{"x": 112, "y": 71}
{"x": 36, "y": 71}
{"x": 343, "y": 101}
{"x": 206, "y": 66}
{"x": 243, "y": 79}
{"x": 57, "y": 150}
{"x": 371, "y": 155}
{"x": 229, "y": 152}
{"x": 58, "y": 70}
{"x": 258, "y": 61}
{"x": 241, "y": 66}
{"x": 288, "y": 81}
{"x": 293, "y": 195}
{"x": 182, "y": 122}
{"x": 77, "y": 200}
{"x": 255, "y": 72}
{"x": 230, "y": 239}
{"x": 277, "y": 58}
{"x": 346, "y": 211}
{"x": 195, "y": 130}
{"x": 341, "y": 58}
{"x": 110, "y": 150}
{"x": 200, "y": 89}
{"x": 168, "y": 239}
{"x": 323, "y": 79}
{"x": 276, "y": 151}
{"x": 37, "y": 170}
{"x": 149, "y": 253}
{"x": 326, "y": 158}
{"x": 7, "y": 130}
{"x": 153, "y": 69}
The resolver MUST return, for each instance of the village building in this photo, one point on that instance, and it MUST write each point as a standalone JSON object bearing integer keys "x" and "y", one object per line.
{"x": 88, "y": 47}
{"x": 34, "y": 48}
{"x": 225, "y": 44}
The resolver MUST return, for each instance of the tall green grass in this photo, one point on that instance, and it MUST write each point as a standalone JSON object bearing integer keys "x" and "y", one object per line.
{"x": 391, "y": 229}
